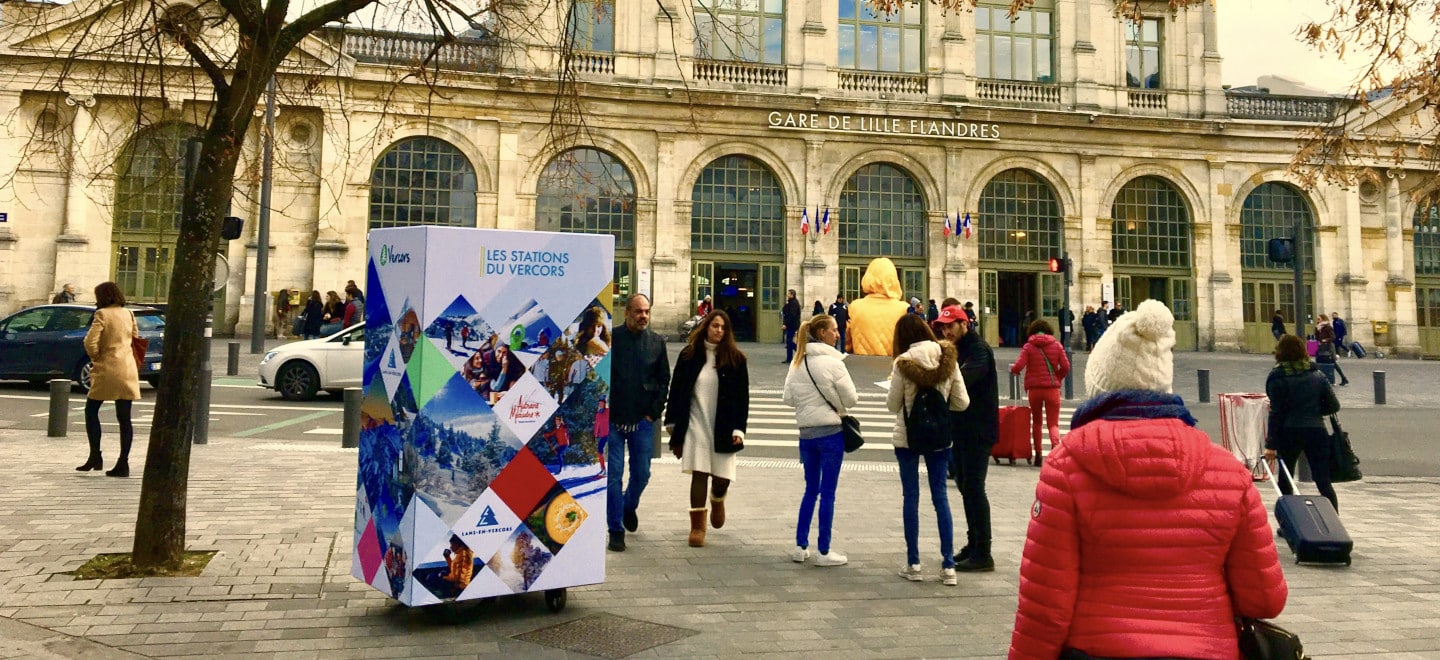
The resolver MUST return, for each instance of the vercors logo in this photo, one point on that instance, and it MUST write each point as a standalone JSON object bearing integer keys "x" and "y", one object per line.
{"x": 388, "y": 255}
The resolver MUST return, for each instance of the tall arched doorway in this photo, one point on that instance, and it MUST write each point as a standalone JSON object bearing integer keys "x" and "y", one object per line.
{"x": 1271, "y": 211}
{"x": 589, "y": 191}
{"x": 737, "y": 244}
{"x": 422, "y": 181}
{"x": 882, "y": 214}
{"x": 1021, "y": 228}
{"x": 1427, "y": 274}
{"x": 1150, "y": 241}
{"x": 149, "y": 187}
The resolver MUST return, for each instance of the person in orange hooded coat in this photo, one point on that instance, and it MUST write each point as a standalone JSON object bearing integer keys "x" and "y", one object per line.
{"x": 1145, "y": 539}
{"x": 872, "y": 317}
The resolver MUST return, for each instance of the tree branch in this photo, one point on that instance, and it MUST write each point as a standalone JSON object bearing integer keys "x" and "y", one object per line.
{"x": 245, "y": 12}
{"x": 202, "y": 59}
{"x": 313, "y": 20}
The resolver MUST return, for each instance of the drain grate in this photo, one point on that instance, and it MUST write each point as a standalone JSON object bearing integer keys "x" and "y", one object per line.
{"x": 606, "y": 635}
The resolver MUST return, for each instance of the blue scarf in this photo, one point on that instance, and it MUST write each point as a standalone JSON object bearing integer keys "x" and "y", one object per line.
{"x": 1132, "y": 404}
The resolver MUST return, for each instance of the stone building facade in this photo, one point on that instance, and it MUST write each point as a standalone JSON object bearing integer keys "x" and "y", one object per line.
{"x": 705, "y": 135}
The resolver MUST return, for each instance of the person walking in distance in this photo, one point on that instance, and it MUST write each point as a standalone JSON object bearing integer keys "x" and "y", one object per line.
{"x": 1090, "y": 322}
{"x": 706, "y": 415}
{"x": 819, "y": 388}
{"x": 282, "y": 313}
{"x": 114, "y": 376}
{"x": 976, "y": 430}
{"x": 1328, "y": 350}
{"x": 790, "y": 318}
{"x": 923, "y": 363}
{"x": 1300, "y": 398}
{"x": 841, "y": 313}
{"x": 66, "y": 295}
{"x": 1277, "y": 325}
{"x": 639, "y": 381}
{"x": 1044, "y": 362}
{"x": 1146, "y": 539}
{"x": 1341, "y": 332}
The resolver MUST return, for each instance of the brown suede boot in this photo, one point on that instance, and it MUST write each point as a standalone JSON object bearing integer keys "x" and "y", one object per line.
{"x": 697, "y": 527}
{"x": 717, "y": 512}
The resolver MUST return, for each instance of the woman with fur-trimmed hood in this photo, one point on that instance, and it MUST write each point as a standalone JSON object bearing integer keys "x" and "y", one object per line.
{"x": 922, "y": 362}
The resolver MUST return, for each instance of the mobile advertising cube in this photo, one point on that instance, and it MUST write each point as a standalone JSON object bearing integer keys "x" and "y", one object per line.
{"x": 484, "y": 420}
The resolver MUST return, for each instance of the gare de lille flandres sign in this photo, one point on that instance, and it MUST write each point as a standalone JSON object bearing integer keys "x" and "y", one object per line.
{"x": 881, "y": 125}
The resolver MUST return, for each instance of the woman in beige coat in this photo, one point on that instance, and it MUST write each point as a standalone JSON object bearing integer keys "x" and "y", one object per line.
{"x": 113, "y": 374}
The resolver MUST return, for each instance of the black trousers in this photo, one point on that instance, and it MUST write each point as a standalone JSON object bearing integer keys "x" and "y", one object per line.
{"x": 972, "y": 460}
{"x": 122, "y": 415}
{"x": 1315, "y": 444}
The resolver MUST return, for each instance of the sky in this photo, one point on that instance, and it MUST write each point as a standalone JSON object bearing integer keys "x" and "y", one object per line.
{"x": 1257, "y": 37}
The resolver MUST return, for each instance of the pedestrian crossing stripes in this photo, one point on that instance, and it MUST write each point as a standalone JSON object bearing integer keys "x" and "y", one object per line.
{"x": 772, "y": 423}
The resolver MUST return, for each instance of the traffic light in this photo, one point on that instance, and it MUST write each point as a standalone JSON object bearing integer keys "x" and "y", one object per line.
{"x": 1059, "y": 265}
{"x": 1281, "y": 250}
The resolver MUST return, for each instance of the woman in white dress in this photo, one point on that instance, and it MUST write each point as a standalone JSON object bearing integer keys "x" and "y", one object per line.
{"x": 706, "y": 415}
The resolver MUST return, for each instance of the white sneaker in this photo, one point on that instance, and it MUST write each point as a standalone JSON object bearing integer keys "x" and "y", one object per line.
{"x": 799, "y": 554}
{"x": 911, "y": 573}
{"x": 948, "y": 577}
{"x": 831, "y": 558}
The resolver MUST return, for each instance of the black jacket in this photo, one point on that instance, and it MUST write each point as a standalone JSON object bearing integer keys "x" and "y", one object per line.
{"x": 1297, "y": 400}
{"x": 841, "y": 312}
{"x": 790, "y": 314}
{"x": 1277, "y": 324}
{"x": 639, "y": 375}
{"x": 313, "y": 318}
{"x": 732, "y": 410}
{"x": 979, "y": 423}
{"x": 1091, "y": 322}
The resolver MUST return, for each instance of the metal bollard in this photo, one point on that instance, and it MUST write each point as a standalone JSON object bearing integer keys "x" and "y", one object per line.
{"x": 59, "y": 407}
{"x": 1379, "y": 388}
{"x": 350, "y": 435}
{"x": 232, "y": 361}
{"x": 1203, "y": 375}
{"x": 201, "y": 433}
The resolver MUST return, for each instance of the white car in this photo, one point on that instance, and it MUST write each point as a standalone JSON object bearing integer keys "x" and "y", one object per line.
{"x": 297, "y": 371}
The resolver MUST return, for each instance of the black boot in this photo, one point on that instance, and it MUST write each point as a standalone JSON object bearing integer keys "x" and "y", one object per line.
{"x": 979, "y": 560}
{"x": 964, "y": 553}
{"x": 95, "y": 462}
{"x": 121, "y": 469}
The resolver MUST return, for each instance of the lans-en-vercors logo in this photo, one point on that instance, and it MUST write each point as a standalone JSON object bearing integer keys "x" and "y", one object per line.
{"x": 487, "y": 524}
{"x": 391, "y": 366}
{"x": 388, "y": 255}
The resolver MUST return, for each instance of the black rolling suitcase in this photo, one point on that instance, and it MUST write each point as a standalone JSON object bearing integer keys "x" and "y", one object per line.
{"x": 1310, "y": 526}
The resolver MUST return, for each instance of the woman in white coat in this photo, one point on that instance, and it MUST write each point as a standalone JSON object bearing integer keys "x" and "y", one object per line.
{"x": 820, "y": 390}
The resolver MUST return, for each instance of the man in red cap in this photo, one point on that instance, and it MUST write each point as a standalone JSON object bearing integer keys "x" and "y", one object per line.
{"x": 976, "y": 429}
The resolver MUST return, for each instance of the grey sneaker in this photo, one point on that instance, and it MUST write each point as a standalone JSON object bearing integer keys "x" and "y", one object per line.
{"x": 799, "y": 554}
{"x": 948, "y": 577}
{"x": 911, "y": 572}
{"x": 831, "y": 558}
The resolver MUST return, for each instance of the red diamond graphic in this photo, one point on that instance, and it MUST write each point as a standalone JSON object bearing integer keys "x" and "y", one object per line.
{"x": 369, "y": 551}
{"x": 523, "y": 483}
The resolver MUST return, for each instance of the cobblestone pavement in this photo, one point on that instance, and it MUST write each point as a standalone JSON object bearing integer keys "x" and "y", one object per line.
{"x": 280, "y": 514}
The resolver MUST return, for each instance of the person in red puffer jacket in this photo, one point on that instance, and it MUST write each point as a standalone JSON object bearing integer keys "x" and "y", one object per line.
{"x": 1045, "y": 365}
{"x": 1145, "y": 539}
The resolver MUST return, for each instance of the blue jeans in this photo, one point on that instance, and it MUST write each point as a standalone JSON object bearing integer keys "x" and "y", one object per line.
{"x": 789, "y": 344}
{"x": 821, "y": 458}
{"x": 936, "y": 463}
{"x": 641, "y": 443}
{"x": 841, "y": 346}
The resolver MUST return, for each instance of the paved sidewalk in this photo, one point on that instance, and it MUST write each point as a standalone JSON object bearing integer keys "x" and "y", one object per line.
{"x": 280, "y": 517}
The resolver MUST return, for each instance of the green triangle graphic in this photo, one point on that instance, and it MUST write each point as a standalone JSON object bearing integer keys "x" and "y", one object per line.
{"x": 428, "y": 370}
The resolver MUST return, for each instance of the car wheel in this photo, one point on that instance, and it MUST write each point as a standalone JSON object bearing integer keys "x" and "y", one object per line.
{"x": 297, "y": 381}
{"x": 82, "y": 374}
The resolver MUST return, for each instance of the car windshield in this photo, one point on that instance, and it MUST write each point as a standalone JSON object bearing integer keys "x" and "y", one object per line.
{"x": 150, "y": 322}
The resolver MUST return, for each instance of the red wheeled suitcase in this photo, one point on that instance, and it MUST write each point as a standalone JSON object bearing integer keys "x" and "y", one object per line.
{"x": 1311, "y": 527}
{"x": 1014, "y": 434}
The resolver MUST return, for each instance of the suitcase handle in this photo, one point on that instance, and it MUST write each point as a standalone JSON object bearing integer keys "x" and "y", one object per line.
{"x": 1273, "y": 481}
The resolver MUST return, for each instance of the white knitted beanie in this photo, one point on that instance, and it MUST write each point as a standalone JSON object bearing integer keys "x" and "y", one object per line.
{"x": 1135, "y": 352}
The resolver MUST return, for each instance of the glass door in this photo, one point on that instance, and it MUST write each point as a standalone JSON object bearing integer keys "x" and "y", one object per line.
{"x": 989, "y": 306}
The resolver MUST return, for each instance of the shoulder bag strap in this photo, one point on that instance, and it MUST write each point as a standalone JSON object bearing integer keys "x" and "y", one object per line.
{"x": 817, "y": 386}
{"x": 1048, "y": 367}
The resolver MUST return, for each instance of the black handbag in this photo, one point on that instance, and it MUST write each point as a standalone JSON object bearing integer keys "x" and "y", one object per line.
{"x": 1262, "y": 640}
{"x": 1344, "y": 464}
{"x": 849, "y": 426}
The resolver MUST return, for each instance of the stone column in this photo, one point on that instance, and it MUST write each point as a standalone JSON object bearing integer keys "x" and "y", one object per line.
{"x": 1399, "y": 289}
{"x": 960, "y": 257}
{"x": 507, "y": 180}
{"x": 1087, "y": 91}
{"x": 1088, "y": 256}
{"x": 955, "y": 54}
{"x": 670, "y": 227}
{"x": 1224, "y": 319}
{"x": 74, "y": 260}
{"x": 818, "y": 53}
{"x": 1210, "y": 64}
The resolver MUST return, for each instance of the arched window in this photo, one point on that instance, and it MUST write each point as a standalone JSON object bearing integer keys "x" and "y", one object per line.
{"x": 149, "y": 187}
{"x": 737, "y": 207}
{"x": 1270, "y": 211}
{"x": 590, "y": 192}
{"x": 1151, "y": 225}
{"x": 1427, "y": 238}
{"x": 422, "y": 181}
{"x": 882, "y": 214}
{"x": 1019, "y": 219}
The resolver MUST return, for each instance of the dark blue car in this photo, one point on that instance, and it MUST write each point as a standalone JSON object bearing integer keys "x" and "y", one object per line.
{"x": 45, "y": 342}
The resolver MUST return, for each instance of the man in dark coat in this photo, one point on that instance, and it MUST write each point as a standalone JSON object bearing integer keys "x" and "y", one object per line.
{"x": 790, "y": 318}
{"x": 841, "y": 312}
{"x": 976, "y": 430}
{"x": 639, "y": 383}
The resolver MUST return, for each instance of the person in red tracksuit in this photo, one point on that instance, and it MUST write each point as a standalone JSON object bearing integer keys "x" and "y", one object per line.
{"x": 1146, "y": 540}
{"x": 1045, "y": 365}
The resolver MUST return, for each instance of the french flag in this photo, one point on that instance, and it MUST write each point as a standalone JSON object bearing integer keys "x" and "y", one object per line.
{"x": 804, "y": 222}
{"x": 945, "y": 229}
{"x": 825, "y": 222}
{"x": 966, "y": 228}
